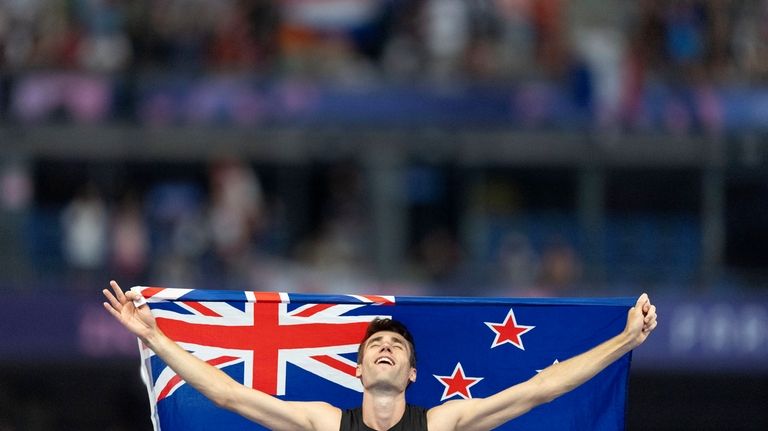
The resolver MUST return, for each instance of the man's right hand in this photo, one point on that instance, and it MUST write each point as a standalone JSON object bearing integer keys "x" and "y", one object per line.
{"x": 138, "y": 320}
{"x": 641, "y": 321}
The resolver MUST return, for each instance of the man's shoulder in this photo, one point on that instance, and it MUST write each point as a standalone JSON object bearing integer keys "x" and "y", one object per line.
{"x": 414, "y": 418}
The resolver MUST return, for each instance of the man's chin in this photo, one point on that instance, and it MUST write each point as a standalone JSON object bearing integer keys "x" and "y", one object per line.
{"x": 386, "y": 383}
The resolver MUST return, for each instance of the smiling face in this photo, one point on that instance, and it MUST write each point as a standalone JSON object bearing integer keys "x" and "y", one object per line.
{"x": 385, "y": 362}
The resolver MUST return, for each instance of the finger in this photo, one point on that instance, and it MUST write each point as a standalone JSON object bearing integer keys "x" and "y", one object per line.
{"x": 641, "y": 301}
{"x": 650, "y": 314}
{"x": 137, "y": 298}
{"x": 650, "y": 317}
{"x": 650, "y": 327}
{"x": 650, "y": 321}
{"x": 112, "y": 311}
{"x": 646, "y": 303}
{"x": 118, "y": 292}
{"x": 112, "y": 300}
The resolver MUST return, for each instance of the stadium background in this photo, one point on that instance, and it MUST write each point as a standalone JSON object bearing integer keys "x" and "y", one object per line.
{"x": 437, "y": 147}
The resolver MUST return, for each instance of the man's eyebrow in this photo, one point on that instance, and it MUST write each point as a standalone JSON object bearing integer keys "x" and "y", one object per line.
{"x": 374, "y": 339}
{"x": 395, "y": 339}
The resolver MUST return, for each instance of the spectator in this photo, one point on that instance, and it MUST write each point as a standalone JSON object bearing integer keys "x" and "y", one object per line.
{"x": 439, "y": 259}
{"x": 338, "y": 245}
{"x": 105, "y": 47}
{"x": 560, "y": 269}
{"x": 516, "y": 262}
{"x": 236, "y": 212}
{"x": 130, "y": 240}
{"x": 749, "y": 41}
{"x": 85, "y": 222}
{"x": 447, "y": 35}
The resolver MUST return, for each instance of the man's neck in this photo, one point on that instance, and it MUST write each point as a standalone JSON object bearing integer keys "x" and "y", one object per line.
{"x": 383, "y": 410}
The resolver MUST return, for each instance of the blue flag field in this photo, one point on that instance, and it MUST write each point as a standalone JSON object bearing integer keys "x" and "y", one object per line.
{"x": 303, "y": 347}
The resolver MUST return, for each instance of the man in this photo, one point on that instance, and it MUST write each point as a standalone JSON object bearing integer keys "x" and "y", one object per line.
{"x": 386, "y": 366}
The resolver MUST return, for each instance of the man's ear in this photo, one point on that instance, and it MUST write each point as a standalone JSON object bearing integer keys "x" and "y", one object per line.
{"x": 359, "y": 371}
{"x": 412, "y": 375}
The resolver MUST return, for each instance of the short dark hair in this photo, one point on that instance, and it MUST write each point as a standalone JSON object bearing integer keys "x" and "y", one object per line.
{"x": 387, "y": 324}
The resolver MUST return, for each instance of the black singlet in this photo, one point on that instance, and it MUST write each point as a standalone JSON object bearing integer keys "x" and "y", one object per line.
{"x": 414, "y": 419}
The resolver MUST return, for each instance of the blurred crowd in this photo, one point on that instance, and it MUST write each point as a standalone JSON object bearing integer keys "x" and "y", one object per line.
{"x": 228, "y": 224}
{"x": 159, "y": 61}
{"x": 617, "y": 65}
{"x": 352, "y": 39}
{"x": 93, "y": 59}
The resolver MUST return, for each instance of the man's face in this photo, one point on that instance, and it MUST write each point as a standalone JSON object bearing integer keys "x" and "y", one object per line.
{"x": 386, "y": 362}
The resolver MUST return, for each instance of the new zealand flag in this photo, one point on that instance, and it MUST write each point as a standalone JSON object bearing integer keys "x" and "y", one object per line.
{"x": 304, "y": 348}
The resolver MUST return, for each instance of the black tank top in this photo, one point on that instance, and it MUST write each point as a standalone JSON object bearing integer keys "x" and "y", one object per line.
{"x": 414, "y": 419}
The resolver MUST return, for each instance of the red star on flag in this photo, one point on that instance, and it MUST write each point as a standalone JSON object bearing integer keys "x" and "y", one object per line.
{"x": 509, "y": 331}
{"x": 457, "y": 383}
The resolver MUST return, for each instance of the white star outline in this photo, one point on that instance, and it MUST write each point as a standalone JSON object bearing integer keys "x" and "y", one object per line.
{"x": 458, "y": 367}
{"x": 557, "y": 361}
{"x": 510, "y": 315}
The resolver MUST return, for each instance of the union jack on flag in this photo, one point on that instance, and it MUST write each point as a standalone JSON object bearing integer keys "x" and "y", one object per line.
{"x": 304, "y": 347}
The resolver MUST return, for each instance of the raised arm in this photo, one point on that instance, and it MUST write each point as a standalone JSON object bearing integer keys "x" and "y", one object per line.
{"x": 216, "y": 385}
{"x": 488, "y": 413}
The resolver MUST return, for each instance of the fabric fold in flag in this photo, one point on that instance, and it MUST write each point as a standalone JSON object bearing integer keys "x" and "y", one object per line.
{"x": 303, "y": 347}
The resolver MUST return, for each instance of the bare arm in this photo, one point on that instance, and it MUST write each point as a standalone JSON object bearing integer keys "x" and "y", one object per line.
{"x": 216, "y": 385}
{"x": 489, "y": 413}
